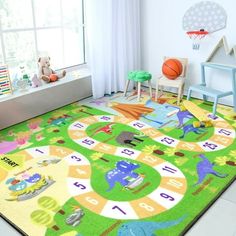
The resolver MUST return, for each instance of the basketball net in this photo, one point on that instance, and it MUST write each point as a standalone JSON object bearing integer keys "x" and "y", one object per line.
{"x": 196, "y": 37}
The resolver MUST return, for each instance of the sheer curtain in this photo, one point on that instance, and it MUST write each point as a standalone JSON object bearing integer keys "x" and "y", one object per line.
{"x": 113, "y": 32}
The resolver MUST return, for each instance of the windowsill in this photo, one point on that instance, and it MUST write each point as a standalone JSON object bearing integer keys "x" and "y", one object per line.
{"x": 81, "y": 73}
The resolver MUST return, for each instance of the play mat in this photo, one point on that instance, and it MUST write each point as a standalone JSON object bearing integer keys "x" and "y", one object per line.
{"x": 114, "y": 167}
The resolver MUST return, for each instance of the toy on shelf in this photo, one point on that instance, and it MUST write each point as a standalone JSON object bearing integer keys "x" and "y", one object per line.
{"x": 199, "y": 113}
{"x": 46, "y": 73}
{"x": 5, "y": 82}
{"x": 21, "y": 85}
{"x": 36, "y": 82}
{"x": 22, "y": 79}
{"x": 25, "y": 76}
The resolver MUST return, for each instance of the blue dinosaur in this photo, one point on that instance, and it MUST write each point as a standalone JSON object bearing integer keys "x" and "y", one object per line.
{"x": 190, "y": 128}
{"x": 204, "y": 168}
{"x": 145, "y": 228}
{"x": 119, "y": 174}
{"x": 181, "y": 115}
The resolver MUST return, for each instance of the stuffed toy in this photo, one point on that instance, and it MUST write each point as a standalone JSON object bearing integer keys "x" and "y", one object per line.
{"x": 46, "y": 73}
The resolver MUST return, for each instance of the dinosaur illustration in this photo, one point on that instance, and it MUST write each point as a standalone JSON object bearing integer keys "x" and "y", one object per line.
{"x": 190, "y": 128}
{"x": 58, "y": 121}
{"x": 181, "y": 115}
{"x": 128, "y": 138}
{"x": 123, "y": 170}
{"x": 145, "y": 228}
{"x": 205, "y": 167}
{"x": 105, "y": 129}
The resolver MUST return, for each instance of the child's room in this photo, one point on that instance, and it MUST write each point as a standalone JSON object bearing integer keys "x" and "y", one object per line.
{"x": 118, "y": 118}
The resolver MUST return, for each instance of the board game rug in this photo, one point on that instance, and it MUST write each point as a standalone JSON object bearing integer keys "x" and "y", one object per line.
{"x": 80, "y": 171}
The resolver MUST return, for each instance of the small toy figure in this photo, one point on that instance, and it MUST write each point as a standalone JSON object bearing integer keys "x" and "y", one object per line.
{"x": 24, "y": 75}
{"x": 74, "y": 219}
{"x": 46, "y": 73}
{"x": 36, "y": 82}
{"x": 22, "y": 79}
{"x": 202, "y": 124}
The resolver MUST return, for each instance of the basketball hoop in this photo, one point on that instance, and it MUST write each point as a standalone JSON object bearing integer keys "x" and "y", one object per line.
{"x": 196, "y": 37}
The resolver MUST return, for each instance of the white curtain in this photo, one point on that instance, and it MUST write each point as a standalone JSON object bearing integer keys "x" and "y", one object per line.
{"x": 113, "y": 33}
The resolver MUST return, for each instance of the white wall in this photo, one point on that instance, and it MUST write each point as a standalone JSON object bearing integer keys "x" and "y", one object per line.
{"x": 162, "y": 35}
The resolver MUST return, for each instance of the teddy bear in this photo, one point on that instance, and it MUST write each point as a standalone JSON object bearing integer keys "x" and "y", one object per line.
{"x": 46, "y": 73}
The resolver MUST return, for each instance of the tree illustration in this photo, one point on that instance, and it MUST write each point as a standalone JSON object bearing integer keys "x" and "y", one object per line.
{"x": 41, "y": 217}
{"x": 51, "y": 204}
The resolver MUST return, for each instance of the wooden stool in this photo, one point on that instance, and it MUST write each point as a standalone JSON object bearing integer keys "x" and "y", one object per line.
{"x": 139, "y": 77}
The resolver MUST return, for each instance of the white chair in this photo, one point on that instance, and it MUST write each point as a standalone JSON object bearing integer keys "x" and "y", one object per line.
{"x": 178, "y": 83}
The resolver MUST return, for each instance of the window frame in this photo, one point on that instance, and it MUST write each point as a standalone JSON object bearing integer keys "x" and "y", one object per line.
{"x": 35, "y": 29}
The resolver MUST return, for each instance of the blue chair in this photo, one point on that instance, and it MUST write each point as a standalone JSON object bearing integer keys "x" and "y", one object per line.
{"x": 216, "y": 94}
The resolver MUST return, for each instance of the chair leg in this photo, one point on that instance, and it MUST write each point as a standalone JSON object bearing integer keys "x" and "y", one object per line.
{"x": 189, "y": 94}
{"x": 215, "y": 106}
{"x": 179, "y": 94}
{"x": 161, "y": 89}
{"x": 126, "y": 87}
{"x": 182, "y": 92}
{"x": 157, "y": 90}
{"x": 139, "y": 90}
{"x": 150, "y": 88}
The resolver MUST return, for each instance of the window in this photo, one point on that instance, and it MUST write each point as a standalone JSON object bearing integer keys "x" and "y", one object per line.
{"x": 33, "y": 28}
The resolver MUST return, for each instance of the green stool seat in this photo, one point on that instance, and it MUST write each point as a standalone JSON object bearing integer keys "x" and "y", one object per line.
{"x": 139, "y": 77}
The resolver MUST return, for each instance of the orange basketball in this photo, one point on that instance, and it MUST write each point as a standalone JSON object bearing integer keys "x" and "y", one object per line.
{"x": 172, "y": 68}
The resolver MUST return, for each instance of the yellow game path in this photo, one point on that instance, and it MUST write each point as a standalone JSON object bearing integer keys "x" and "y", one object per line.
{"x": 222, "y": 137}
{"x": 169, "y": 193}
